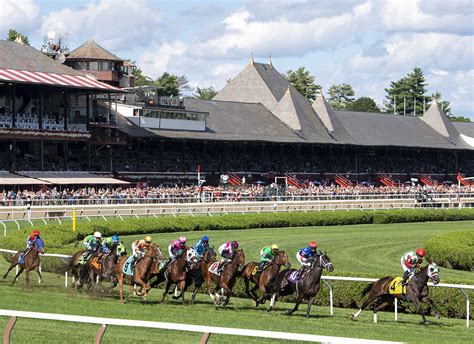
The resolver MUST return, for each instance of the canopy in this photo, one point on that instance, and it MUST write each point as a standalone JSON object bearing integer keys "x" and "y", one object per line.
{"x": 7, "y": 178}
{"x": 54, "y": 79}
{"x": 73, "y": 178}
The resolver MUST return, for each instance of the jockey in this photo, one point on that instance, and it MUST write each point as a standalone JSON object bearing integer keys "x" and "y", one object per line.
{"x": 148, "y": 240}
{"x": 107, "y": 244}
{"x": 226, "y": 250}
{"x": 30, "y": 243}
{"x": 306, "y": 254}
{"x": 139, "y": 250}
{"x": 201, "y": 246}
{"x": 410, "y": 261}
{"x": 92, "y": 242}
{"x": 267, "y": 254}
{"x": 177, "y": 247}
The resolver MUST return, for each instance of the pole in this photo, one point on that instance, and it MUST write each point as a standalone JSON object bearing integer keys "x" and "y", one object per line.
{"x": 74, "y": 216}
{"x": 414, "y": 107}
{"x": 394, "y": 104}
{"x": 404, "y": 106}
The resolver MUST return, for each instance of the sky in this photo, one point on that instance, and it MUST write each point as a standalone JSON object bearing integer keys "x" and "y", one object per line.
{"x": 365, "y": 43}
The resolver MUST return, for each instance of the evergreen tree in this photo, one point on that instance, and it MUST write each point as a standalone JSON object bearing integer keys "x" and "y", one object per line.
{"x": 406, "y": 96}
{"x": 340, "y": 96}
{"x": 304, "y": 82}
{"x": 442, "y": 103}
{"x": 168, "y": 85}
{"x": 363, "y": 104}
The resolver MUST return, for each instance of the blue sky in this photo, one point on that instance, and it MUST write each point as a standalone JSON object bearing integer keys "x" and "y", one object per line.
{"x": 364, "y": 43}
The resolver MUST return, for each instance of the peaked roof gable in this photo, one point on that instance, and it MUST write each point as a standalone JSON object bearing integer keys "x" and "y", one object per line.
{"x": 286, "y": 110}
{"x": 437, "y": 119}
{"x": 248, "y": 87}
{"x": 324, "y": 112}
{"x": 91, "y": 50}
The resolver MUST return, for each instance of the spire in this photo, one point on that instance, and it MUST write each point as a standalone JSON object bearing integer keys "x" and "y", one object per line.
{"x": 19, "y": 39}
{"x": 324, "y": 111}
{"x": 270, "y": 60}
{"x": 251, "y": 59}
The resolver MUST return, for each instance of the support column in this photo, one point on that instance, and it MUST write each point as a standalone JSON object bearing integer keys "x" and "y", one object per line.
{"x": 13, "y": 156}
{"x": 111, "y": 152}
{"x": 456, "y": 157}
{"x": 41, "y": 114}
{"x": 88, "y": 114}
{"x": 14, "y": 106}
{"x": 66, "y": 108}
{"x": 41, "y": 154}
{"x": 88, "y": 156}
{"x": 138, "y": 155}
{"x": 65, "y": 154}
{"x": 357, "y": 158}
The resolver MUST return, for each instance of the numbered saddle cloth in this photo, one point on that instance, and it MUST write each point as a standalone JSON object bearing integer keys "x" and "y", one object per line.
{"x": 83, "y": 258}
{"x": 294, "y": 276}
{"x": 127, "y": 267}
{"x": 396, "y": 287}
{"x": 213, "y": 268}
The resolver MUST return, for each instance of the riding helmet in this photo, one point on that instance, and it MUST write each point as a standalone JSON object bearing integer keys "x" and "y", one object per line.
{"x": 148, "y": 239}
{"x": 420, "y": 252}
{"x": 97, "y": 234}
{"x": 205, "y": 238}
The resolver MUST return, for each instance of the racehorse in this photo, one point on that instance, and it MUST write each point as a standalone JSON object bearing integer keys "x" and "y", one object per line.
{"x": 106, "y": 269}
{"x": 31, "y": 261}
{"x": 416, "y": 291}
{"x": 306, "y": 287}
{"x": 226, "y": 280}
{"x": 200, "y": 273}
{"x": 142, "y": 271}
{"x": 81, "y": 272}
{"x": 264, "y": 278}
{"x": 176, "y": 273}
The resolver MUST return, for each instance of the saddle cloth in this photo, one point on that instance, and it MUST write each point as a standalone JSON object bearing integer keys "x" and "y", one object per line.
{"x": 213, "y": 269}
{"x": 258, "y": 268}
{"x": 294, "y": 276}
{"x": 396, "y": 287}
{"x": 95, "y": 263}
{"x": 127, "y": 267}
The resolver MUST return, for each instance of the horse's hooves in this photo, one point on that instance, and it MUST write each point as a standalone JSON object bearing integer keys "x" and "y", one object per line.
{"x": 426, "y": 323}
{"x": 437, "y": 316}
{"x": 288, "y": 313}
{"x": 351, "y": 317}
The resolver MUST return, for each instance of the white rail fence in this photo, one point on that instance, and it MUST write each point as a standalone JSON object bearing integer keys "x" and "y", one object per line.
{"x": 326, "y": 280}
{"x": 205, "y": 330}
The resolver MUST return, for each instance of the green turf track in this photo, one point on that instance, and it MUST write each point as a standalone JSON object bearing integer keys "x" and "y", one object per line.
{"x": 358, "y": 250}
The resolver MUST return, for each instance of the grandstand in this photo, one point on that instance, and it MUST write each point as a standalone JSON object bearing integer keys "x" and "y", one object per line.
{"x": 55, "y": 118}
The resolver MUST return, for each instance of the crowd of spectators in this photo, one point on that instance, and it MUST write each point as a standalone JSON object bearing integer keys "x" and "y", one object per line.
{"x": 182, "y": 194}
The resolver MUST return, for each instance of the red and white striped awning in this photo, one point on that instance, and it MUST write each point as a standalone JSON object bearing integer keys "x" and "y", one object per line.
{"x": 53, "y": 79}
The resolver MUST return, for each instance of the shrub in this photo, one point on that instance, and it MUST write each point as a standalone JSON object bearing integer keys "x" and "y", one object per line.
{"x": 453, "y": 250}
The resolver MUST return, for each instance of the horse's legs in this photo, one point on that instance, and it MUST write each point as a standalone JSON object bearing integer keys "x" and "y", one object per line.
{"x": 18, "y": 274}
{"x": 371, "y": 298}
{"x": 272, "y": 302}
{"x": 196, "y": 288}
{"x": 27, "y": 277}
{"x": 308, "y": 307}
{"x": 38, "y": 271}
{"x": 182, "y": 286}
{"x": 297, "y": 304}
{"x": 429, "y": 301}
{"x": 419, "y": 309}
{"x": 168, "y": 284}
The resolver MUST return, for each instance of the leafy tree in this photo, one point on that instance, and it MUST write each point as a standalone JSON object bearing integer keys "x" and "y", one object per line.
{"x": 183, "y": 84}
{"x": 340, "y": 96}
{"x": 363, "y": 104}
{"x": 406, "y": 96}
{"x": 459, "y": 119}
{"x": 140, "y": 78}
{"x": 442, "y": 103}
{"x": 205, "y": 93}
{"x": 168, "y": 85}
{"x": 304, "y": 82}
{"x": 13, "y": 34}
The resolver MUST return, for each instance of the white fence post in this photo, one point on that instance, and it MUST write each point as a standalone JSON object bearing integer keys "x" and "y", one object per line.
{"x": 396, "y": 309}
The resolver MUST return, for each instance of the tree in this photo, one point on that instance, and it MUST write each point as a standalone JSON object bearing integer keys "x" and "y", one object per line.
{"x": 407, "y": 95}
{"x": 168, "y": 85}
{"x": 363, "y": 104}
{"x": 13, "y": 35}
{"x": 459, "y": 119}
{"x": 340, "y": 96}
{"x": 442, "y": 103}
{"x": 205, "y": 93}
{"x": 183, "y": 84}
{"x": 304, "y": 82}
{"x": 140, "y": 78}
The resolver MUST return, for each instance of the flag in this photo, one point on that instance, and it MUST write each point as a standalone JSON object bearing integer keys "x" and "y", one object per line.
{"x": 74, "y": 220}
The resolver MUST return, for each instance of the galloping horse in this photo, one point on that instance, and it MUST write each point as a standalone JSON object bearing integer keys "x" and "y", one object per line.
{"x": 143, "y": 270}
{"x": 176, "y": 273}
{"x": 200, "y": 273}
{"x": 106, "y": 269}
{"x": 263, "y": 279}
{"x": 416, "y": 291}
{"x": 306, "y": 287}
{"x": 226, "y": 280}
{"x": 31, "y": 262}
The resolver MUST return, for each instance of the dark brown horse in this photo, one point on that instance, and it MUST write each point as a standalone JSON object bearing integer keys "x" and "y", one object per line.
{"x": 105, "y": 270}
{"x": 31, "y": 262}
{"x": 306, "y": 287}
{"x": 264, "y": 278}
{"x": 226, "y": 280}
{"x": 416, "y": 291}
{"x": 200, "y": 273}
{"x": 143, "y": 270}
{"x": 176, "y": 273}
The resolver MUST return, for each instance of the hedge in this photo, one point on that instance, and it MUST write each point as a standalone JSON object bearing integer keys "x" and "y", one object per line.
{"x": 453, "y": 250}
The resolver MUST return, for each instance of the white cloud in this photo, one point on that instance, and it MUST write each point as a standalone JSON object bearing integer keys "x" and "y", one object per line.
{"x": 158, "y": 59}
{"x": 280, "y": 36}
{"x": 18, "y": 14}
{"x": 117, "y": 25}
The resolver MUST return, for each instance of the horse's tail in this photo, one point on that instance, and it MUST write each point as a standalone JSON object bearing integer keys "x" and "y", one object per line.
{"x": 367, "y": 289}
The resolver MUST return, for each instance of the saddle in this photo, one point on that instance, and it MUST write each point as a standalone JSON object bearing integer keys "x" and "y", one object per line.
{"x": 214, "y": 268}
{"x": 128, "y": 266}
{"x": 84, "y": 258}
{"x": 396, "y": 287}
{"x": 260, "y": 267}
{"x": 95, "y": 262}
{"x": 297, "y": 275}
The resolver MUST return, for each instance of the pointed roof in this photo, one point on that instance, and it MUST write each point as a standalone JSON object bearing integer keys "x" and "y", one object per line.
{"x": 90, "y": 50}
{"x": 437, "y": 119}
{"x": 286, "y": 111}
{"x": 324, "y": 112}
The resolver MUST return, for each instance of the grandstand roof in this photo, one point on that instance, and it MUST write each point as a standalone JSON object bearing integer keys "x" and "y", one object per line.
{"x": 19, "y": 56}
{"x": 71, "y": 178}
{"x": 90, "y": 50}
{"x": 259, "y": 104}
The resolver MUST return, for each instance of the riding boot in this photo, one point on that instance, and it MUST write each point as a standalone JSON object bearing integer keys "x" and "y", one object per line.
{"x": 405, "y": 278}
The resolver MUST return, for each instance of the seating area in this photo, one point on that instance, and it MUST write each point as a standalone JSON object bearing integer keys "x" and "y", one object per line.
{"x": 31, "y": 121}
